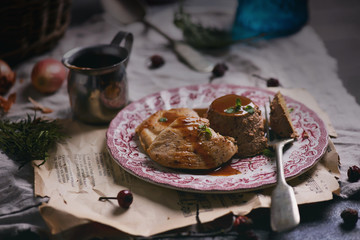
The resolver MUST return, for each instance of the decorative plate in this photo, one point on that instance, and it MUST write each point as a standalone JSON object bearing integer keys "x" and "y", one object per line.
{"x": 255, "y": 172}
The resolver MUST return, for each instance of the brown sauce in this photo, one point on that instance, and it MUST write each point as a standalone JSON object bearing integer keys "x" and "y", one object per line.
{"x": 170, "y": 117}
{"x": 202, "y": 112}
{"x": 224, "y": 170}
{"x": 189, "y": 127}
{"x": 228, "y": 101}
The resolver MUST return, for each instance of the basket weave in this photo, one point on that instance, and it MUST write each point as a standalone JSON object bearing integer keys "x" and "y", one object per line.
{"x": 31, "y": 27}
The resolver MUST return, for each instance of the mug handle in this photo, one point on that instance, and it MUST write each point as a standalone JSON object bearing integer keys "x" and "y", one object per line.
{"x": 129, "y": 38}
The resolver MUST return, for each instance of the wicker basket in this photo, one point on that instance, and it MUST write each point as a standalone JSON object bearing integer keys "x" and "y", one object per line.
{"x": 31, "y": 27}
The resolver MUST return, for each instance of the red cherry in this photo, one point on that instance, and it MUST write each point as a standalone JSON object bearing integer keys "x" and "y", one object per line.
{"x": 270, "y": 82}
{"x": 125, "y": 198}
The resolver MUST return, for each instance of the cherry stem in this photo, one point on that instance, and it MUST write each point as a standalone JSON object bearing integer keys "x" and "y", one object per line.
{"x": 105, "y": 198}
{"x": 259, "y": 77}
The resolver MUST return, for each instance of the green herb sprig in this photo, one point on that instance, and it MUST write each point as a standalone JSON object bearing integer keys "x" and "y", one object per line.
{"x": 249, "y": 109}
{"x": 207, "y": 37}
{"x": 199, "y": 36}
{"x": 163, "y": 119}
{"x": 236, "y": 108}
{"x": 29, "y": 139}
{"x": 204, "y": 129}
{"x": 268, "y": 152}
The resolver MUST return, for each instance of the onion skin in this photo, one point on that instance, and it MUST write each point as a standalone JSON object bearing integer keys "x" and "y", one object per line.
{"x": 7, "y": 77}
{"x": 48, "y": 75}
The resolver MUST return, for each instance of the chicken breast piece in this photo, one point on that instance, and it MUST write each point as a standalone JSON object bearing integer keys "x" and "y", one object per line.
{"x": 150, "y": 128}
{"x": 189, "y": 143}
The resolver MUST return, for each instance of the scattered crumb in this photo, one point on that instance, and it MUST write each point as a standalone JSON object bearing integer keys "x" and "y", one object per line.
{"x": 305, "y": 135}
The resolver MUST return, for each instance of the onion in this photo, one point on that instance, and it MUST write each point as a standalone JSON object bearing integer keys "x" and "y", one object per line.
{"x": 7, "y": 77}
{"x": 48, "y": 75}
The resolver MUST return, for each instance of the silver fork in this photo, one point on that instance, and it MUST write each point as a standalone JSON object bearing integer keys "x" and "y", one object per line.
{"x": 284, "y": 211}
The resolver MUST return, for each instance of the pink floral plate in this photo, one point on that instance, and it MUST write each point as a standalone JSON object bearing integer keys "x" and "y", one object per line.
{"x": 255, "y": 172}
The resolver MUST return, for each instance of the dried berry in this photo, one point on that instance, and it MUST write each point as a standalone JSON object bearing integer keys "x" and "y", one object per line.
{"x": 272, "y": 82}
{"x": 219, "y": 69}
{"x": 350, "y": 217}
{"x": 124, "y": 198}
{"x": 156, "y": 61}
{"x": 353, "y": 173}
{"x": 242, "y": 223}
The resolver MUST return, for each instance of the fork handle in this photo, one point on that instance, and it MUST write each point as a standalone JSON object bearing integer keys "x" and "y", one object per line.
{"x": 284, "y": 210}
{"x": 279, "y": 160}
{"x": 279, "y": 163}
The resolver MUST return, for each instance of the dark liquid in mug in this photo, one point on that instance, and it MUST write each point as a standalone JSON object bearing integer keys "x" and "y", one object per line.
{"x": 94, "y": 60}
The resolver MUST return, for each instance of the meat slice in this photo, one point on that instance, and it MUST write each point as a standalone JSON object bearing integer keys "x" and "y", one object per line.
{"x": 150, "y": 128}
{"x": 189, "y": 143}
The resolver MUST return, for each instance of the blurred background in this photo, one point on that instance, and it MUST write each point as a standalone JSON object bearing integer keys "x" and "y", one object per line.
{"x": 336, "y": 22}
{"x": 338, "y": 25}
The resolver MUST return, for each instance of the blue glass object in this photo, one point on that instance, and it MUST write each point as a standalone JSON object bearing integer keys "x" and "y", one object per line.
{"x": 269, "y": 18}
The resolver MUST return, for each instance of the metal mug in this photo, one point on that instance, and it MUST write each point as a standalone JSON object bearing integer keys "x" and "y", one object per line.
{"x": 97, "y": 81}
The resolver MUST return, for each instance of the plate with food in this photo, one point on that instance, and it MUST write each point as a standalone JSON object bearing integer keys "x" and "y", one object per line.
{"x": 213, "y": 139}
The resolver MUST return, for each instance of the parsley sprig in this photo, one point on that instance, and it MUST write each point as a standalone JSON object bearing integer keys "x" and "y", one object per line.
{"x": 29, "y": 139}
{"x": 204, "y": 129}
{"x": 235, "y": 108}
{"x": 249, "y": 109}
{"x": 238, "y": 106}
{"x": 163, "y": 119}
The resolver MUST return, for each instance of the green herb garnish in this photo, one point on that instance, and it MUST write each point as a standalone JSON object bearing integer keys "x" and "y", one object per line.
{"x": 236, "y": 108}
{"x": 238, "y": 104}
{"x": 268, "y": 152}
{"x": 249, "y": 109}
{"x": 29, "y": 139}
{"x": 291, "y": 110}
{"x": 163, "y": 119}
{"x": 207, "y": 37}
{"x": 204, "y": 129}
{"x": 199, "y": 36}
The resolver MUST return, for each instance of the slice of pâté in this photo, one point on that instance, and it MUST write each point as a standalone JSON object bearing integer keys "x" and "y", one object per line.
{"x": 280, "y": 119}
